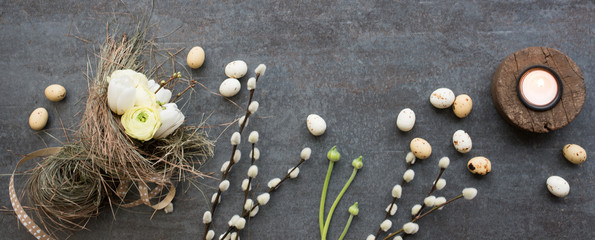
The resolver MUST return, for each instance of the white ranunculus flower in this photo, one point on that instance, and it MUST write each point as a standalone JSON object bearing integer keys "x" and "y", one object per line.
{"x": 138, "y": 78}
{"x": 163, "y": 95}
{"x": 141, "y": 123}
{"x": 171, "y": 119}
{"x": 121, "y": 94}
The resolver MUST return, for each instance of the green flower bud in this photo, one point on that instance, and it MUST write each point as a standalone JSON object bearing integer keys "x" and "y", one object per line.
{"x": 353, "y": 210}
{"x": 333, "y": 155}
{"x": 358, "y": 163}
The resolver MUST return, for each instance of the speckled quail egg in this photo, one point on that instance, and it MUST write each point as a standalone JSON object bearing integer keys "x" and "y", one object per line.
{"x": 461, "y": 141}
{"x": 55, "y": 92}
{"x": 230, "y": 87}
{"x": 462, "y": 105}
{"x": 479, "y": 165}
{"x": 406, "y": 120}
{"x": 574, "y": 153}
{"x": 442, "y": 98}
{"x": 420, "y": 148}
{"x": 38, "y": 118}
{"x": 316, "y": 124}
{"x": 236, "y": 69}
{"x": 558, "y": 186}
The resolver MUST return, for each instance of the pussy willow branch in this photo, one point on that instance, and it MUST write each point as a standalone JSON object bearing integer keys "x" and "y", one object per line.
{"x": 231, "y": 162}
{"x": 390, "y": 208}
{"x": 431, "y": 191}
{"x": 247, "y": 191}
{"x": 423, "y": 215}
{"x": 248, "y": 112}
{"x": 272, "y": 189}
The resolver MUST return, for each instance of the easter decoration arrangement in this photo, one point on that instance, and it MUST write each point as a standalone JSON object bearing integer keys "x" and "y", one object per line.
{"x": 132, "y": 148}
{"x": 131, "y": 138}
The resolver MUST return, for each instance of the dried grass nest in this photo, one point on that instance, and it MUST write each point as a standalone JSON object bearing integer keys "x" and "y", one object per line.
{"x": 68, "y": 188}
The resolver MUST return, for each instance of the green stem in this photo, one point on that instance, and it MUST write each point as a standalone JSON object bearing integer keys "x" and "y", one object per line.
{"x": 346, "y": 227}
{"x": 330, "y": 213}
{"x": 323, "y": 197}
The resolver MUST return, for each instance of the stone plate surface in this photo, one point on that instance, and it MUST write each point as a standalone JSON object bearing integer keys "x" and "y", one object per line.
{"x": 354, "y": 63}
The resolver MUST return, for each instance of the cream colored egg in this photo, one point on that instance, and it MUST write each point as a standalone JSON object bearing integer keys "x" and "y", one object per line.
{"x": 479, "y": 165}
{"x": 461, "y": 141}
{"x": 38, "y": 119}
{"x": 462, "y": 105}
{"x": 230, "y": 87}
{"x": 236, "y": 69}
{"x": 442, "y": 98}
{"x": 574, "y": 153}
{"x": 406, "y": 120}
{"x": 558, "y": 186}
{"x": 316, "y": 124}
{"x": 420, "y": 148}
{"x": 196, "y": 57}
{"x": 55, "y": 92}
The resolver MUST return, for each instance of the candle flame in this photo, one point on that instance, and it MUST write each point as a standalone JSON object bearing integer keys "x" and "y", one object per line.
{"x": 540, "y": 83}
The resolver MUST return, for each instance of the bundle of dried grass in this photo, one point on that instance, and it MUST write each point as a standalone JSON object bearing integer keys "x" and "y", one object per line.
{"x": 66, "y": 189}
{"x": 70, "y": 187}
{"x": 100, "y": 130}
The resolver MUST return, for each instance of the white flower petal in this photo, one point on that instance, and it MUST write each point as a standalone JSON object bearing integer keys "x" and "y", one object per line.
{"x": 171, "y": 119}
{"x": 163, "y": 95}
{"x": 126, "y": 100}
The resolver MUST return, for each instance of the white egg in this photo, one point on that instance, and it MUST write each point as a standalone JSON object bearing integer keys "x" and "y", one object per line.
{"x": 558, "y": 186}
{"x": 230, "y": 87}
{"x": 461, "y": 141}
{"x": 236, "y": 69}
{"x": 442, "y": 98}
{"x": 316, "y": 125}
{"x": 406, "y": 120}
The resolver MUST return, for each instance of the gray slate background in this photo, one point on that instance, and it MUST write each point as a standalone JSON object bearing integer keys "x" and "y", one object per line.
{"x": 355, "y": 63}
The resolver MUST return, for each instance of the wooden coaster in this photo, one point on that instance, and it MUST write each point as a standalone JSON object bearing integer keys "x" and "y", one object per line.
{"x": 510, "y": 107}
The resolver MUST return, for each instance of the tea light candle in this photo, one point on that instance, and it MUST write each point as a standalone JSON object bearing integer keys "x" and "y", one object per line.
{"x": 539, "y": 88}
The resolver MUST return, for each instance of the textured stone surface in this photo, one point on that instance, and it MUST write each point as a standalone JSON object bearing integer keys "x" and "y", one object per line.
{"x": 356, "y": 64}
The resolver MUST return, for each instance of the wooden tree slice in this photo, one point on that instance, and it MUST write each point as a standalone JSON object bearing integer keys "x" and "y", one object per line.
{"x": 510, "y": 107}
